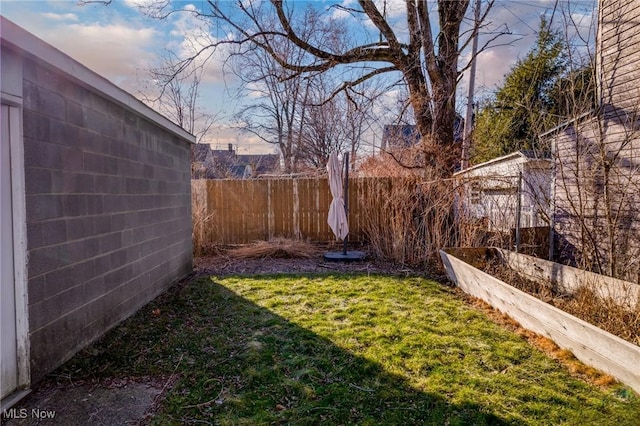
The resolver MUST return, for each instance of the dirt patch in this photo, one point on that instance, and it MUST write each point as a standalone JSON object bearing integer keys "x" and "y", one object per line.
{"x": 112, "y": 402}
{"x": 227, "y": 265}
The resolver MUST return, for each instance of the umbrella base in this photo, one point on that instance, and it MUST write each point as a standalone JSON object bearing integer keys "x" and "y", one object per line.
{"x": 341, "y": 256}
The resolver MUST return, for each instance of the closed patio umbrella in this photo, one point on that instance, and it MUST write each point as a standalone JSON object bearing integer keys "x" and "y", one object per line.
{"x": 337, "y": 218}
{"x": 338, "y": 209}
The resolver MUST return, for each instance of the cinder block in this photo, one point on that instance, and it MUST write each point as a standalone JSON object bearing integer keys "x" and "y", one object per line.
{"x": 110, "y": 242}
{"x": 84, "y": 183}
{"x": 109, "y": 184}
{"x": 36, "y": 289}
{"x": 74, "y": 114}
{"x": 43, "y": 100}
{"x": 92, "y": 141}
{"x": 42, "y": 154}
{"x": 74, "y": 204}
{"x": 64, "y": 134}
{"x": 72, "y": 159}
{"x": 117, "y": 149}
{"x": 102, "y": 224}
{"x": 113, "y": 203}
{"x": 43, "y": 206}
{"x": 100, "y": 158}
{"x": 65, "y": 279}
{"x": 80, "y": 227}
{"x": 37, "y": 181}
{"x": 71, "y": 91}
{"x": 36, "y": 126}
{"x": 86, "y": 248}
{"x": 119, "y": 222}
{"x": 94, "y": 288}
{"x": 116, "y": 111}
{"x": 44, "y": 259}
{"x": 98, "y": 103}
{"x": 101, "y": 264}
{"x": 93, "y": 163}
{"x": 94, "y": 120}
{"x": 119, "y": 258}
{"x": 34, "y": 235}
{"x": 134, "y": 252}
{"x": 54, "y": 232}
{"x": 95, "y": 204}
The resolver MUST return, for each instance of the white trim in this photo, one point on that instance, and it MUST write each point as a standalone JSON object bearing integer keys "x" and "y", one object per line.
{"x": 15, "y": 37}
{"x": 19, "y": 224}
{"x": 11, "y": 100}
{"x": 517, "y": 155}
{"x": 18, "y": 201}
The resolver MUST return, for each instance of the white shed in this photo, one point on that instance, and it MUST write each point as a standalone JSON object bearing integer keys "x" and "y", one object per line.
{"x": 491, "y": 189}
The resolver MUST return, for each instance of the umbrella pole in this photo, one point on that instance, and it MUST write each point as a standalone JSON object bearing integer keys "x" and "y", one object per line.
{"x": 346, "y": 199}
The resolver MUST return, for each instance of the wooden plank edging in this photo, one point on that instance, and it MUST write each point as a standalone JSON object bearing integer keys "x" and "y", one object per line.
{"x": 569, "y": 278}
{"x": 588, "y": 343}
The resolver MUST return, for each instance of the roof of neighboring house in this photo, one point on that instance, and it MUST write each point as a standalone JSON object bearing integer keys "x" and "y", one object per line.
{"x": 408, "y": 134}
{"x": 226, "y": 164}
{"x": 579, "y": 119}
{"x": 400, "y": 135}
{"x": 261, "y": 164}
{"x": 201, "y": 153}
{"x": 521, "y": 156}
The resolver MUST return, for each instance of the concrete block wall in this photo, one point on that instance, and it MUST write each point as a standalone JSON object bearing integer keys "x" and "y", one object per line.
{"x": 107, "y": 208}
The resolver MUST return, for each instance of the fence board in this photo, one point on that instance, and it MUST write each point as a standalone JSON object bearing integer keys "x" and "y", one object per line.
{"x": 243, "y": 211}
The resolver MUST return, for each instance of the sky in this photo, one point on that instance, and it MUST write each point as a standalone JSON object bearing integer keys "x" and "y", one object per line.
{"x": 121, "y": 44}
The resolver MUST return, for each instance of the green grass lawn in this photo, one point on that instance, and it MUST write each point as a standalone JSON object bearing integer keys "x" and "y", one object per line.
{"x": 342, "y": 349}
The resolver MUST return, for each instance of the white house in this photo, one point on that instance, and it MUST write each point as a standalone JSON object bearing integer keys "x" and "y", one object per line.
{"x": 491, "y": 191}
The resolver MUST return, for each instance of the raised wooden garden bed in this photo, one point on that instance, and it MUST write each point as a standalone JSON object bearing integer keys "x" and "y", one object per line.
{"x": 590, "y": 344}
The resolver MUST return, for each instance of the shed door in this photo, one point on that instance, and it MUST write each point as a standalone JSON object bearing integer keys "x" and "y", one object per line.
{"x": 8, "y": 337}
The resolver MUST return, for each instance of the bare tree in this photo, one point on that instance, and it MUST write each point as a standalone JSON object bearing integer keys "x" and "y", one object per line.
{"x": 279, "y": 106}
{"x": 336, "y": 124}
{"x": 175, "y": 91}
{"x": 426, "y": 58}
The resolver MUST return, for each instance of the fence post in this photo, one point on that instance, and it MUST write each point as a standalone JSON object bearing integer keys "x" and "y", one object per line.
{"x": 270, "y": 212}
{"x": 518, "y": 211}
{"x": 296, "y": 210}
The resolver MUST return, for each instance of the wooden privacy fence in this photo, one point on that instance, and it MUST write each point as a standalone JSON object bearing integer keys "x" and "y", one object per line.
{"x": 243, "y": 211}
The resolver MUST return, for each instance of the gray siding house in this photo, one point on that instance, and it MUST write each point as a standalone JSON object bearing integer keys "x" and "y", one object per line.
{"x": 596, "y": 200}
{"x": 96, "y": 212}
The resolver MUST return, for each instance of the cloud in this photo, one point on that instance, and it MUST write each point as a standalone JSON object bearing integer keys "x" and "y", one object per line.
{"x": 61, "y": 16}
{"x": 113, "y": 50}
{"x": 191, "y": 36}
{"x": 100, "y": 38}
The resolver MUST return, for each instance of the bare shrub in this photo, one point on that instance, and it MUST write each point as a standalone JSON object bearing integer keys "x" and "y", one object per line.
{"x": 203, "y": 234}
{"x": 409, "y": 219}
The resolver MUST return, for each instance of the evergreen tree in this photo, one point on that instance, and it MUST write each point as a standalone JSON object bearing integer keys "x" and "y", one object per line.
{"x": 525, "y": 105}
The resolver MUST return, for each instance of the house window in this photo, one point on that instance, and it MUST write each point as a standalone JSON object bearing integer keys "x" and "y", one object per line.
{"x": 475, "y": 193}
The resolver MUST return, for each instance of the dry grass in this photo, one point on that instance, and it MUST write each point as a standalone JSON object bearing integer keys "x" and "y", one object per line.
{"x": 277, "y": 248}
{"x": 584, "y": 303}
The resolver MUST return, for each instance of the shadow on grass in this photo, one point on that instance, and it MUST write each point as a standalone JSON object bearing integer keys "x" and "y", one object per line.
{"x": 239, "y": 363}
